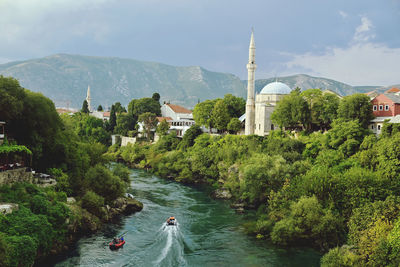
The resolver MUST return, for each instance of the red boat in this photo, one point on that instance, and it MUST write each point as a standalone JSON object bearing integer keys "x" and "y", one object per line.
{"x": 117, "y": 243}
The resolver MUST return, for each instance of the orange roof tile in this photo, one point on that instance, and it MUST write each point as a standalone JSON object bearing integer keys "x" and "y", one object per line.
{"x": 179, "y": 109}
{"x": 160, "y": 119}
{"x": 393, "y": 90}
{"x": 106, "y": 114}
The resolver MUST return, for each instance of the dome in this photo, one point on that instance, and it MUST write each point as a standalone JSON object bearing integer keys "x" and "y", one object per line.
{"x": 276, "y": 88}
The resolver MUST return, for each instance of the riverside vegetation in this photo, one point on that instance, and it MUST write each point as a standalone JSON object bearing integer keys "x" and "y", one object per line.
{"x": 337, "y": 190}
{"x": 71, "y": 149}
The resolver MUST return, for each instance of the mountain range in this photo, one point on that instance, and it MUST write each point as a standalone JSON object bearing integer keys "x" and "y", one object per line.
{"x": 64, "y": 79}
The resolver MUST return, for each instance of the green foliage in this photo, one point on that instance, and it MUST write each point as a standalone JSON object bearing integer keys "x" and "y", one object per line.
{"x": 149, "y": 121}
{"x": 291, "y": 111}
{"x": 190, "y": 135}
{"x": 156, "y": 97}
{"x": 202, "y": 113}
{"x": 162, "y": 128}
{"x": 125, "y": 123}
{"x": 236, "y": 105}
{"x": 104, "y": 183}
{"x": 346, "y": 135}
{"x": 92, "y": 202}
{"x": 234, "y": 125}
{"x": 100, "y": 108}
{"x": 19, "y": 251}
{"x": 220, "y": 115}
{"x": 121, "y": 171}
{"x": 144, "y": 105}
{"x": 340, "y": 256}
{"x": 12, "y": 97}
{"x": 356, "y": 107}
{"x": 85, "y": 107}
{"x": 308, "y": 221}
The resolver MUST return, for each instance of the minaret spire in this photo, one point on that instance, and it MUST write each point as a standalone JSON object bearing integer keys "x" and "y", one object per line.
{"x": 250, "y": 103}
{"x": 88, "y": 98}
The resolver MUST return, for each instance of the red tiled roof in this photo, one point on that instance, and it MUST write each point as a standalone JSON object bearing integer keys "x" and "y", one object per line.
{"x": 106, "y": 114}
{"x": 368, "y": 93}
{"x": 160, "y": 119}
{"x": 179, "y": 109}
{"x": 393, "y": 90}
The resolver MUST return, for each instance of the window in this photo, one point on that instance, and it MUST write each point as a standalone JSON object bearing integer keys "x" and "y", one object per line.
{"x": 386, "y": 107}
{"x": 380, "y": 107}
{"x": 259, "y": 126}
{"x": 379, "y": 127}
{"x": 375, "y": 108}
{"x": 372, "y": 127}
{"x": 272, "y": 126}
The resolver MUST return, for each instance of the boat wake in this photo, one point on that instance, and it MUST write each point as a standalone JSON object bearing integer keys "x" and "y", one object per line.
{"x": 172, "y": 252}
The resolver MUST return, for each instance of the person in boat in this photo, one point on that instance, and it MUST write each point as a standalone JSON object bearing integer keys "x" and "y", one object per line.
{"x": 171, "y": 220}
{"x": 115, "y": 240}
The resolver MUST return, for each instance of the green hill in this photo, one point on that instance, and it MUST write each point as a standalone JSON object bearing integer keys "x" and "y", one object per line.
{"x": 65, "y": 78}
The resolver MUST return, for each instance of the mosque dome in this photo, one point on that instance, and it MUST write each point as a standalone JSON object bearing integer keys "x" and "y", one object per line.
{"x": 276, "y": 88}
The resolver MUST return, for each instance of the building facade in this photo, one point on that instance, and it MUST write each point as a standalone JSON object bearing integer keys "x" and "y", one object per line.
{"x": 260, "y": 107}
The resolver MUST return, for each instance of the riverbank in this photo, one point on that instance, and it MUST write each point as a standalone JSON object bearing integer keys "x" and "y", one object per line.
{"x": 320, "y": 190}
{"x": 209, "y": 233}
{"x": 83, "y": 223}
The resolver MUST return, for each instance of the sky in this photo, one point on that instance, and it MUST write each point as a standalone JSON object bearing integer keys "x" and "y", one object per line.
{"x": 352, "y": 41}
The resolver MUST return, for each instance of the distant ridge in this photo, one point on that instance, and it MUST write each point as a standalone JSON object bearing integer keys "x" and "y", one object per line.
{"x": 64, "y": 79}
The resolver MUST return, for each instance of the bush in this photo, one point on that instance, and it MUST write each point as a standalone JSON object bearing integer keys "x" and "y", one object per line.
{"x": 92, "y": 202}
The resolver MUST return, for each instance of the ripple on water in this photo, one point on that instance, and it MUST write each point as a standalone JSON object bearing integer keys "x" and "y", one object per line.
{"x": 208, "y": 234}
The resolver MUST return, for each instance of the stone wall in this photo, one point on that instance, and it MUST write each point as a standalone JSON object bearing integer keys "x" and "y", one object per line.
{"x": 126, "y": 140}
{"x": 14, "y": 176}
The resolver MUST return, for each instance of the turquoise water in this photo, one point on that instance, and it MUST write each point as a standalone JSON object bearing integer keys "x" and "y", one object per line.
{"x": 209, "y": 233}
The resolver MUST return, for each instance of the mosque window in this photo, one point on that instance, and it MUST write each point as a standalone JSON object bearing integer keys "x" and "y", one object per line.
{"x": 380, "y": 107}
{"x": 386, "y": 107}
{"x": 375, "y": 107}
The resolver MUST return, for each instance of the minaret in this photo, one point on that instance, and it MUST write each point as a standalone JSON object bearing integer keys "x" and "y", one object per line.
{"x": 88, "y": 98}
{"x": 250, "y": 103}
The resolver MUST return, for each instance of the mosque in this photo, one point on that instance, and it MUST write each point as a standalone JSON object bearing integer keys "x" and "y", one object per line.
{"x": 259, "y": 108}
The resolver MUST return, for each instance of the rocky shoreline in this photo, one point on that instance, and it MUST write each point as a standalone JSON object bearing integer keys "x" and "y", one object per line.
{"x": 82, "y": 222}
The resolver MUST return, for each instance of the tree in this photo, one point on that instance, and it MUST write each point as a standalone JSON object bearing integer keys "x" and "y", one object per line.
{"x": 234, "y": 125}
{"x": 149, "y": 121}
{"x": 99, "y": 108}
{"x": 292, "y": 111}
{"x": 125, "y": 123}
{"x": 190, "y": 135}
{"x": 119, "y": 108}
{"x": 156, "y": 97}
{"x": 85, "y": 107}
{"x": 12, "y": 96}
{"x": 236, "y": 105}
{"x": 162, "y": 127}
{"x": 113, "y": 118}
{"x": 139, "y": 106}
{"x": 220, "y": 115}
{"x": 202, "y": 113}
{"x": 356, "y": 107}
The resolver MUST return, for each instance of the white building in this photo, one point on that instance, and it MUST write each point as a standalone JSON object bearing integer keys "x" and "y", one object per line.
{"x": 258, "y": 111}
{"x": 179, "y": 118}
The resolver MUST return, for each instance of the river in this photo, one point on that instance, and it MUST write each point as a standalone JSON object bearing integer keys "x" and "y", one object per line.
{"x": 209, "y": 233}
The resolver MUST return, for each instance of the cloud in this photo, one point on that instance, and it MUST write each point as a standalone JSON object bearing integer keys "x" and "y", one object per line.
{"x": 362, "y": 62}
{"x": 343, "y": 14}
{"x": 363, "y": 31}
{"x": 358, "y": 64}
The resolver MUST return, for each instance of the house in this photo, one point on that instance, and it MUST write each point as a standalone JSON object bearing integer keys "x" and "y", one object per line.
{"x": 103, "y": 115}
{"x": 386, "y": 108}
{"x": 179, "y": 118}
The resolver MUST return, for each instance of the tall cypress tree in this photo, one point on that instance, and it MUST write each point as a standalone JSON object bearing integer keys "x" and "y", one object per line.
{"x": 85, "y": 107}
